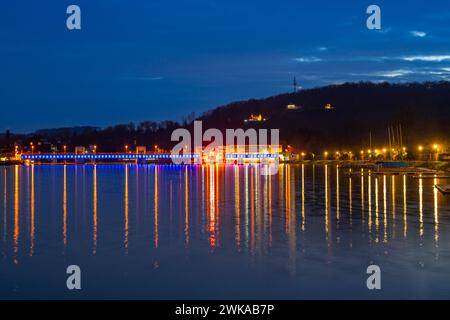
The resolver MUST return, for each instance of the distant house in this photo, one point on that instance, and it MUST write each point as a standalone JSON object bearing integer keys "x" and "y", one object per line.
{"x": 293, "y": 107}
{"x": 141, "y": 150}
{"x": 328, "y": 106}
{"x": 255, "y": 118}
{"x": 80, "y": 150}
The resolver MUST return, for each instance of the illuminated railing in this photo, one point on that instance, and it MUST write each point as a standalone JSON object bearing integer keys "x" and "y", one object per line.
{"x": 106, "y": 156}
{"x": 131, "y": 156}
{"x": 251, "y": 156}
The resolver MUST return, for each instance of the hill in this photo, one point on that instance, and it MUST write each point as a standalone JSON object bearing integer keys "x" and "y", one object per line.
{"x": 354, "y": 112}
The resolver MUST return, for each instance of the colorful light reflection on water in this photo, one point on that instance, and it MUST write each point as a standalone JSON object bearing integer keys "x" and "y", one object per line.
{"x": 220, "y": 231}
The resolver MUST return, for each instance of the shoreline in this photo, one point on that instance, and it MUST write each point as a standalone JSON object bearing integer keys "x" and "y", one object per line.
{"x": 438, "y": 166}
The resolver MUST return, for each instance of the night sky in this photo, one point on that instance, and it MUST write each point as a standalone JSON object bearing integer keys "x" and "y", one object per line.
{"x": 158, "y": 59}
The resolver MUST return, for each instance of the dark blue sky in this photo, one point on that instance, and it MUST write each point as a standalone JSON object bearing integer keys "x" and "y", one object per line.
{"x": 158, "y": 59}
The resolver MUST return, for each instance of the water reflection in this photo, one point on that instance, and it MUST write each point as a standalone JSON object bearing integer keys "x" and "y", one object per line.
{"x": 246, "y": 220}
{"x": 94, "y": 231}
{"x": 230, "y": 210}
{"x": 65, "y": 206}
{"x": 369, "y": 205}
{"x": 303, "y": 197}
{"x": 421, "y": 206}
{"x": 350, "y": 198}
{"x": 393, "y": 201}
{"x": 337, "y": 196}
{"x": 436, "y": 214}
{"x": 385, "y": 237}
{"x": 16, "y": 213}
{"x": 32, "y": 211}
{"x": 405, "y": 217}
{"x": 5, "y": 203}
{"x": 186, "y": 206}
{"x": 126, "y": 212}
{"x": 377, "y": 221}
{"x": 327, "y": 205}
{"x": 237, "y": 207}
{"x": 156, "y": 209}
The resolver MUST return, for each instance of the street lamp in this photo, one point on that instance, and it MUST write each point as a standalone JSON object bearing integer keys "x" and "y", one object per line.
{"x": 420, "y": 148}
{"x": 436, "y": 150}
{"x": 126, "y": 148}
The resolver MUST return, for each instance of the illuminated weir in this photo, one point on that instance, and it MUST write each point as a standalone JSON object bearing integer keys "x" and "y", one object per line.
{"x": 238, "y": 155}
{"x": 103, "y": 156}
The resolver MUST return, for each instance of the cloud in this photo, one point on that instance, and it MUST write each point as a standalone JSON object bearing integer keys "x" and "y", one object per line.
{"x": 428, "y": 58}
{"x": 146, "y": 78}
{"x": 394, "y": 73}
{"x": 322, "y": 49}
{"x": 418, "y": 34}
{"x": 399, "y": 73}
{"x": 352, "y": 58}
{"x": 308, "y": 59}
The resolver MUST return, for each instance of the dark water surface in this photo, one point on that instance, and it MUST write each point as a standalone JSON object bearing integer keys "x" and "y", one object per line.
{"x": 203, "y": 232}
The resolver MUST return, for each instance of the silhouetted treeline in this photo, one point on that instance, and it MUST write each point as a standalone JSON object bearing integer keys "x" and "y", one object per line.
{"x": 357, "y": 109}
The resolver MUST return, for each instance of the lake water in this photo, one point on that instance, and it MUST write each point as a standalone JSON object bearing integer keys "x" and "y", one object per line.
{"x": 220, "y": 232}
